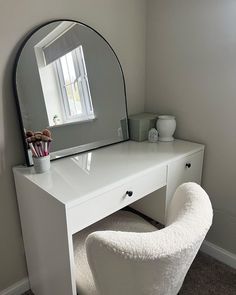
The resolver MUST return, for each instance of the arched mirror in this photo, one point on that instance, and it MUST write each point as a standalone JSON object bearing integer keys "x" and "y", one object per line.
{"x": 68, "y": 79}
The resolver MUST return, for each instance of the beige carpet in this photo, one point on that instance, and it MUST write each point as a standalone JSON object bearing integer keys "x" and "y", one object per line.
{"x": 206, "y": 276}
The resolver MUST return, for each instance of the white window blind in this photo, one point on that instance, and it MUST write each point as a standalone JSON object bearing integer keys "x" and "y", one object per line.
{"x": 62, "y": 44}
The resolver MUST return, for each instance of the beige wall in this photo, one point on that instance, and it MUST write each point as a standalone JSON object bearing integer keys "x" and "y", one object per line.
{"x": 191, "y": 73}
{"x": 122, "y": 23}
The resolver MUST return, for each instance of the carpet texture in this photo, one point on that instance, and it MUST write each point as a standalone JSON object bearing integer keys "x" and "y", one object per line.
{"x": 206, "y": 276}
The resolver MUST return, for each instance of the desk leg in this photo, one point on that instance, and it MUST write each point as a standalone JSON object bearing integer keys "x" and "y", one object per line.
{"x": 48, "y": 245}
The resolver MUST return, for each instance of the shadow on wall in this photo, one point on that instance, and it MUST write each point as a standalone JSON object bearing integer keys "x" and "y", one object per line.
{"x": 13, "y": 266}
{"x": 2, "y": 160}
{"x": 11, "y": 147}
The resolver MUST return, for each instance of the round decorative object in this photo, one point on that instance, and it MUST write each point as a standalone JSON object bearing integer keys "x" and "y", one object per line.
{"x": 153, "y": 135}
{"x": 166, "y": 126}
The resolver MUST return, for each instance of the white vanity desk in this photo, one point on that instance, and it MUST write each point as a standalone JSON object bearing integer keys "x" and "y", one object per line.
{"x": 82, "y": 189}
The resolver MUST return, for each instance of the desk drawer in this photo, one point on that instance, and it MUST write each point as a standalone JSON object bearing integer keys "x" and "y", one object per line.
{"x": 184, "y": 170}
{"x": 103, "y": 205}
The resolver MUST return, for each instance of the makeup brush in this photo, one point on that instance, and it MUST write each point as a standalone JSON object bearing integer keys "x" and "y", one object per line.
{"x": 47, "y": 132}
{"x": 39, "y": 142}
{"x": 29, "y": 133}
{"x": 45, "y": 140}
{"x": 38, "y": 136}
{"x": 32, "y": 147}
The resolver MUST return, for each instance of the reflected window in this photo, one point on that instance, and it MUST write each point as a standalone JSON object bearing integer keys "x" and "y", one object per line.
{"x": 83, "y": 161}
{"x": 63, "y": 75}
{"x": 74, "y": 86}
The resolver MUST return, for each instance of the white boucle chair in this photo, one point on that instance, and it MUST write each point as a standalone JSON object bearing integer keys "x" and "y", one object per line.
{"x": 125, "y": 255}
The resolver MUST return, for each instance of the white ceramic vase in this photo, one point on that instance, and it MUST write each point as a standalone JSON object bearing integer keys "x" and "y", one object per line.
{"x": 166, "y": 126}
{"x": 41, "y": 164}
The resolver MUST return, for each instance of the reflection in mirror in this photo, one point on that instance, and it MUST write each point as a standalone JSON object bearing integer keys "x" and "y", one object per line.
{"x": 68, "y": 79}
{"x": 66, "y": 69}
{"x": 83, "y": 161}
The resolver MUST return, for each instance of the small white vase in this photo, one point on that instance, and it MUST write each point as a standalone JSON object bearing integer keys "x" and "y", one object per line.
{"x": 41, "y": 164}
{"x": 166, "y": 126}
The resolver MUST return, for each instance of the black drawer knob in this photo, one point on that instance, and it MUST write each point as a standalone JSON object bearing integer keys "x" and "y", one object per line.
{"x": 129, "y": 193}
{"x": 188, "y": 165}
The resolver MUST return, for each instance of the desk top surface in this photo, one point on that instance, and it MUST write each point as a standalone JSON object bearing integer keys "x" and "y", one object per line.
{"x": 73, "y": 179}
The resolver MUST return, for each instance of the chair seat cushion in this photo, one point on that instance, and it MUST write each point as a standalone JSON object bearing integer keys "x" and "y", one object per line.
{"x": 120, "y": 221}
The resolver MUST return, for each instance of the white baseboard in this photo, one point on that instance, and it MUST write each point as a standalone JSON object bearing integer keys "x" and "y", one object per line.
{"x": 218, "y": 253}
{"x": 17, "y": 289}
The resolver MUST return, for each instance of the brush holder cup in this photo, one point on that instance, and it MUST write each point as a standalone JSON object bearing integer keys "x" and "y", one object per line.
{"x": 41, "y": 164}
{"x": 166, "y": 126}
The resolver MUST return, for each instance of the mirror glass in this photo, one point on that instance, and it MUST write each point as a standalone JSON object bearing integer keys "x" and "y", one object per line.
{"x": 69, "y": 80}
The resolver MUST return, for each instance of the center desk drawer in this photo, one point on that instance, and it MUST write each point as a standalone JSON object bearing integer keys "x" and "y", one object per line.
{"x": 96, "y": 208}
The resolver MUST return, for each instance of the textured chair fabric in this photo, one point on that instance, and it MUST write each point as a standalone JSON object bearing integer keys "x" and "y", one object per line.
{"x": 124, "y": 254}
{"x": 121, "y": 221}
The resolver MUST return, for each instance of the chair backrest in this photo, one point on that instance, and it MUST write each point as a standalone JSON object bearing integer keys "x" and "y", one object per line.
{"x": 189, "y": 216}
{"x": 190, "y": 203}
{"x": 154, "y": 262}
